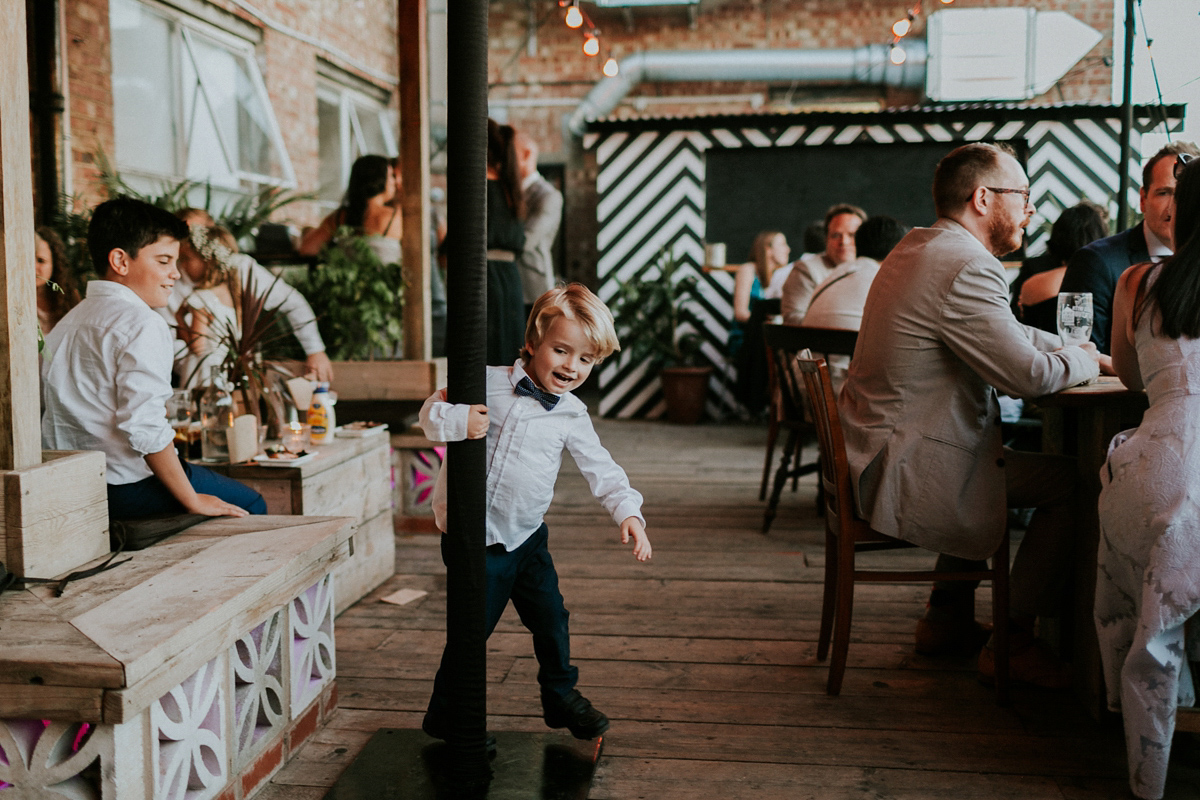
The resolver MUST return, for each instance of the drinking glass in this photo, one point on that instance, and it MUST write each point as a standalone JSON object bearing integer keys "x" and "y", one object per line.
{"x": 1074, "y": 317}
{"x": 180, "y": 411}
{"x": 295, "y": 437}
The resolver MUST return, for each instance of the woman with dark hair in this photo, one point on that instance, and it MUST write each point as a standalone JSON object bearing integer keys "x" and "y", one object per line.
{"x": 52, "y": 268}
{"x": 367, "y": 208}
{"x": 1035, "y": 291}
{"x": 1148, "y": 581}
{"x": 505, "y": 241}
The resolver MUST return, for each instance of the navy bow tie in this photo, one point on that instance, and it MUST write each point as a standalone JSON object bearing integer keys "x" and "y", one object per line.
{"x": 525, "y": 388}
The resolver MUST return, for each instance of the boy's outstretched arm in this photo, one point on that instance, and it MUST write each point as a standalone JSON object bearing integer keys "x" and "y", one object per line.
{"x": 632, "y": 526}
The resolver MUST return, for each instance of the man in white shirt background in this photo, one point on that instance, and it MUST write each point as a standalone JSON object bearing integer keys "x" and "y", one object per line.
{"x": 841, "y": 223}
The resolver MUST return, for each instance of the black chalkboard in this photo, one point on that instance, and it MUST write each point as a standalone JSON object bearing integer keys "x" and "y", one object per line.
{"x": 753, "y": 189}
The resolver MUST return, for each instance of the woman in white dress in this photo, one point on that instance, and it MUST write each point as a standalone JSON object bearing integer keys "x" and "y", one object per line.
{"x": 1148, "y": 581}
{"x": 208, "y": 317}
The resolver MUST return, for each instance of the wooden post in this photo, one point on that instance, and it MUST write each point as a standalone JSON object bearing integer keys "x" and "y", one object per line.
{"x": 20, "y": 431}
{"x": 412, "y": 42}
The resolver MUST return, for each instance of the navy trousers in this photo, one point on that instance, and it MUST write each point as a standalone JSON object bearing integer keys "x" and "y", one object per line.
{"x": 149, "y": 497}
{"x": 527, "y": 577}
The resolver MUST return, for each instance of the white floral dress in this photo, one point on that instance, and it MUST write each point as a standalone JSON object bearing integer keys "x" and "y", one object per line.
{"x": 1148, "y": 581}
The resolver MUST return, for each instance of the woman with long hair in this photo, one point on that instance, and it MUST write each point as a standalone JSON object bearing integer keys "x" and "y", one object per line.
{"x": 1148, "y": 581}
{"x": 53, "y": 271}
{"x": 1035, "y": 292}
{"x": 769, "y": 253}
{"x": 367, "y": 206}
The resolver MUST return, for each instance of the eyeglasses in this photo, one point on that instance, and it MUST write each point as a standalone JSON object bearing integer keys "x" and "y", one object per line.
{"x": 1181, "y": 161}
{"x": 1023, "y": 192}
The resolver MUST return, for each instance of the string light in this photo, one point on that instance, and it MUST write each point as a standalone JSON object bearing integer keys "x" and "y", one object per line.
{"x": 611, "y": 68}
{"x": 902, "y": 27}
{"x": 591, "y": 45}
{"x": 574, "y": 17}
{"x": 897, "y": 55}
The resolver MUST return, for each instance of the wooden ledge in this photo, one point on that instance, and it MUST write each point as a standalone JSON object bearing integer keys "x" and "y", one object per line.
{"x": 116, "y": 642}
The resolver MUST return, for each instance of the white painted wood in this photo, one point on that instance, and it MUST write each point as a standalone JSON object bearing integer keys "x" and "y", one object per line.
{"x": 312, "y": 661}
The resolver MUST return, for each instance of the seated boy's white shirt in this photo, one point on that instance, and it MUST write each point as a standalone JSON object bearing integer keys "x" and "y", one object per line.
{"x": 106, "y": 373}
{"x": 525, "y": 443}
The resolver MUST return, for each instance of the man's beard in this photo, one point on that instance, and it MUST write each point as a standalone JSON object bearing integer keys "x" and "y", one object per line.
{"x": 1004, "y": 235}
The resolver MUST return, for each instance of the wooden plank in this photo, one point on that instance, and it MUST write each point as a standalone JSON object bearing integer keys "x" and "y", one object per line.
{"x": 51, "y": 531}
{"x": 40, "y": 648}
{"x": 386, "y": 380}
{"x": 59, "y": 703}
{"x": 162, "y": 629}
{"x": 373, "y": 562}
{"x": 413, "y": 48}
{"x": 359, "y": 488}
{"x": 20, "y": 437}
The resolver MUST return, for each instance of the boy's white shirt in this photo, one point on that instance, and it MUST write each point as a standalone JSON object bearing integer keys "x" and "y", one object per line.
{"x": 106, "y": 376}
{"x": 524, "y": 453}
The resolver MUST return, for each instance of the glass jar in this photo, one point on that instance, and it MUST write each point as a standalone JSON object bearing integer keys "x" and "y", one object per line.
{"x": 216, "y": 419}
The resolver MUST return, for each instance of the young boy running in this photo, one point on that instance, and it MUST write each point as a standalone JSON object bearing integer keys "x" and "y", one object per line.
{"x": 530, "y": 418}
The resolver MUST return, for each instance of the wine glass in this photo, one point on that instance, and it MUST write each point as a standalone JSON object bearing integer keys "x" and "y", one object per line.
{"x": 180, "y": 410}
{"x": 1074, "y": 317}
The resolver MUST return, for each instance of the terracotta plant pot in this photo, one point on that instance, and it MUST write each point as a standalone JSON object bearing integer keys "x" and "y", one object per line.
{"x": 685, "y": 389}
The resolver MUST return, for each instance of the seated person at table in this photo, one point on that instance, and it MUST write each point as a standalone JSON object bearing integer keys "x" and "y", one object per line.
{"x": 107, "y": 373}
{"x": 1147, "y": 591}
{"x": 838, "y": 301}
{"x": 841, "y": 222}
{"x": 289, "y": 301}
{"x": 770, "y": 253}
{"x": 530, "y": 418}
{"x": 1035, "y": 291}
{"x": 921, "y": 418}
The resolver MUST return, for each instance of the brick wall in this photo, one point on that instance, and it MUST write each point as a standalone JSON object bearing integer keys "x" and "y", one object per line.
{"x": 363, "y": 29}
{"x": 560, "y": 70}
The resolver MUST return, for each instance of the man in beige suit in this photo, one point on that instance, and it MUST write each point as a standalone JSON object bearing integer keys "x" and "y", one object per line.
{"x": 921, "y": 415}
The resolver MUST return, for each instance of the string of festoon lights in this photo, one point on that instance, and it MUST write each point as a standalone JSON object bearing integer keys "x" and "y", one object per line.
{"x": 901, "y": 28}
{"x": 576, "y": 19}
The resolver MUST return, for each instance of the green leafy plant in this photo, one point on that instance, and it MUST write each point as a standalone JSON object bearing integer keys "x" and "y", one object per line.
{"x": 654, "y": 311}
{"x": 359, "y": 301}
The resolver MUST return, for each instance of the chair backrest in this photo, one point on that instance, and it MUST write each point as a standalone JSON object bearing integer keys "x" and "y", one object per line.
{"x": 784, "y": 343}
{"x": 835, "y": 467}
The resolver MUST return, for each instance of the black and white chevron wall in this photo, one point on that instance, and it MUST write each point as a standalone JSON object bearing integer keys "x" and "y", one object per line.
{"x": 651, "y": 195}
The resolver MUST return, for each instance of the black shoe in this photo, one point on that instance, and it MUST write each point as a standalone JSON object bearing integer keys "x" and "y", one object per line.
{"x": 439, "y": 729}
{"x": 574, "y": 713}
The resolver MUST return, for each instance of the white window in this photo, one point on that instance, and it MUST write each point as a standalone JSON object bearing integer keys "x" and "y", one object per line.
{"x": 351, "y": 122}
{"x": 189, "y": 102}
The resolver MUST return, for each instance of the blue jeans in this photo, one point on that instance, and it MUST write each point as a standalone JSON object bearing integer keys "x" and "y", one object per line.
{"x": 527, "y": 577}
{"x": 149, "y": 497}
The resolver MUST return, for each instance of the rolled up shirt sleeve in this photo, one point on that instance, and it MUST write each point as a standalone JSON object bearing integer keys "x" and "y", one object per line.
{"x": 287, "y": 300}
{"x": 442, "y": 421}
{"x": 142, "y": 389}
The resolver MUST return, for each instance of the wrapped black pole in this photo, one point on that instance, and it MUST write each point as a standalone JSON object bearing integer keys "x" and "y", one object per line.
{"x": 466, "y": 290}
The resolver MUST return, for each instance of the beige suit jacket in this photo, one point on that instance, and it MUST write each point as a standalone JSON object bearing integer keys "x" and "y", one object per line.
{"x": 919, "y": 407}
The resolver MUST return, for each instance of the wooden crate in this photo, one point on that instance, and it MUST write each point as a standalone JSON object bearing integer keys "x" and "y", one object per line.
{"x": 54, "y": 514}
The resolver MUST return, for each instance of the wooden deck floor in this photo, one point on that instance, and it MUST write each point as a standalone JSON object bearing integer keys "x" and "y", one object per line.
{"x": 704, "y": 658}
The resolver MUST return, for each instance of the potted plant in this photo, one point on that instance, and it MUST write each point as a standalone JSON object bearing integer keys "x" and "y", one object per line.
{"x": 657, "y": 324}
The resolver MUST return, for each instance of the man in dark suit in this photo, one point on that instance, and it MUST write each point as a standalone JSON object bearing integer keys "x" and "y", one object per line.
{"x": 1097, "y": 267}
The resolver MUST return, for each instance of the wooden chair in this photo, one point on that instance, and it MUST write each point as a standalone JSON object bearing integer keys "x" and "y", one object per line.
{"x": 783, "y": 342}
{"x": 847, "y": 534}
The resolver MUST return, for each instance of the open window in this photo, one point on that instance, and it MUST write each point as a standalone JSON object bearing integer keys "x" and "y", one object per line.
{"x": 189, "y": 102}
{"x": 353, "y": 119}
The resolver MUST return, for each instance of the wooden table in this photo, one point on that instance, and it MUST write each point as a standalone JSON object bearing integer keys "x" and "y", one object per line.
{"x": 1093, "y": 413}
{"x": 348, "y": 478}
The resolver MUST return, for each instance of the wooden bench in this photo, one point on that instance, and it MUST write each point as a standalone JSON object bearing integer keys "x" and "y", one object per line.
{"x": 191, "y": 671}
{"x": 348, "y": 478}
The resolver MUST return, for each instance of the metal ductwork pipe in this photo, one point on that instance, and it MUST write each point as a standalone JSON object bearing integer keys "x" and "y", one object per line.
{"x": 868, "y": 65}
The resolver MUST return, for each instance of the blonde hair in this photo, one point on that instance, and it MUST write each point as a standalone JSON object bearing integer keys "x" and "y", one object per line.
{"x": 574, "y": 302}
{"x": 761, "y": 252}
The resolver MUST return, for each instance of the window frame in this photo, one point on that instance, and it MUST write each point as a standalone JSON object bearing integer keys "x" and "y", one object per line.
{"x": 183, "y": 30}
{"x": 349, "y": 93}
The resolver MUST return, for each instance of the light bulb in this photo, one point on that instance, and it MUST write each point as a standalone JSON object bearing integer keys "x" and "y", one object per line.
{"x": 947, "y": 2}
{"x": 902, "y": 27}
{"x": 591, "y": 45}
{"x": 898, "y": 56}
{"x": 610, "y": 67}
{"x": 574, "y": 17}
